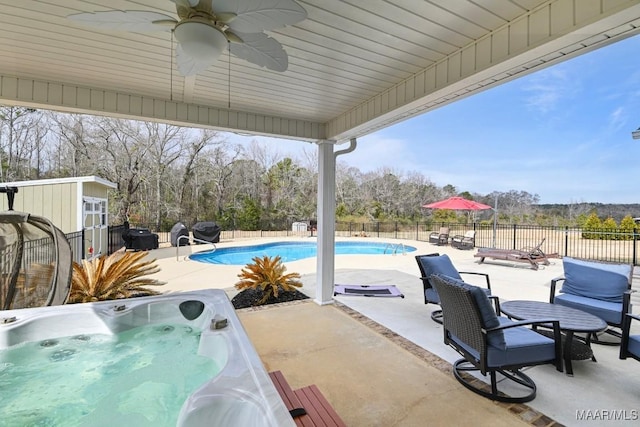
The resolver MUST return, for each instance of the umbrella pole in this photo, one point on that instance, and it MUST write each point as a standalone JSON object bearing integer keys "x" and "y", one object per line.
{"x": 495, "y": 221}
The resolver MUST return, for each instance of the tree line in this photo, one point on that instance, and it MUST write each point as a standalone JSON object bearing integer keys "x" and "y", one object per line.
{"x": 165, "y": 174}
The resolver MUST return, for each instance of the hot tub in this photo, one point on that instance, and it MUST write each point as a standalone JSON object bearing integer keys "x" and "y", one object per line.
{"x": 240, "y": 392}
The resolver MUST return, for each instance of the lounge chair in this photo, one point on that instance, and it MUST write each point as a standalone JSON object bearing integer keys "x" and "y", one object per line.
{"x": 466, "y": 241}
{"x": 533, "y": 255}
{"x": 440, "y": 237}
{"x": 493, "y": 344}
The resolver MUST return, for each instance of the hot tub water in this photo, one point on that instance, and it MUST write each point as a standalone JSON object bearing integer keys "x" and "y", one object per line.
{"x": 140, "y": 376}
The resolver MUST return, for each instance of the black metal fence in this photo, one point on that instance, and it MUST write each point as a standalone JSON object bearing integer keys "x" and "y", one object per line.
{"x": 600, "y": 244}
{"x": 76, "y": 241}
{"x": 114, "y": 238}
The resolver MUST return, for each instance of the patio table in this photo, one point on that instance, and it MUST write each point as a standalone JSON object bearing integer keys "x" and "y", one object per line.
{"x": 571, "y": 321}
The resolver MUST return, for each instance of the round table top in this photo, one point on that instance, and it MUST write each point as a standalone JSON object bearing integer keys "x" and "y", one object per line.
{"x": 570, "y": 319}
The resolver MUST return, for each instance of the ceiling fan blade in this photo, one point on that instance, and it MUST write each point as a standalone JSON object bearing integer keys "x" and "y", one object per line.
{"x": 188, "y": 66}
{"x": 186, "y": 3}
{"x": 132, "y": 20}
{"x": 262, "y": 50}
{"x": 254, "y": 16}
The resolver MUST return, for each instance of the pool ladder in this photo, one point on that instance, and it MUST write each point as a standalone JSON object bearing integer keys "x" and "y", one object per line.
{"x": 395, "y": 247}
{"x": 195, "y": 240}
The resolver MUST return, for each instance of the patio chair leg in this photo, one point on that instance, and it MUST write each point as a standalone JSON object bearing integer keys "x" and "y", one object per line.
{"x": 609, "y": 331}
{"x": 462, "y": 366}
{"x": 436, "y": 316}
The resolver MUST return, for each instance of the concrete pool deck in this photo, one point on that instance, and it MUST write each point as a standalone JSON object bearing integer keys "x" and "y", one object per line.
{"x": 381, "y": 361}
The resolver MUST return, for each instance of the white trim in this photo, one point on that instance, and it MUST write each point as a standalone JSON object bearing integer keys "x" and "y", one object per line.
{"x": 78, "y": 179}
{"x": 80, "y": 203}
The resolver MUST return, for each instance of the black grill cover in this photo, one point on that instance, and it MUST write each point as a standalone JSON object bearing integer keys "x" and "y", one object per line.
{"x": 207, "y": 231}
{"x": 177, "y": 231}
{"x": 140, "y": 239}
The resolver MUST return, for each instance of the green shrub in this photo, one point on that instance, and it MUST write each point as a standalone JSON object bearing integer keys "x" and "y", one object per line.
{"x": 268, "y": 275}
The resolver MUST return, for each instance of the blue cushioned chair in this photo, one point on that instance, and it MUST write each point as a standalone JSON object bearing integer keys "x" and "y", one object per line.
{"x": 492, "y": 344}
{"x": 435, "y": 263}
{"x": 599, "y": 288}
{"x": 630, "y": 344}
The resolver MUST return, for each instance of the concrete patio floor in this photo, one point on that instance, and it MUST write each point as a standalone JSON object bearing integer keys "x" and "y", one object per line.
{"x": 381, "y": 361}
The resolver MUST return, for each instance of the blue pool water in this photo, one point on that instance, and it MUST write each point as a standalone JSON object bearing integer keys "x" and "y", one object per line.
{"x": 294, "y": 251}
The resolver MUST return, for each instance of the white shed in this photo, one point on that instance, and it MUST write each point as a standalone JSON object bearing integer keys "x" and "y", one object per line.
{"x": 299, "y": 226}
{"x": 71, "y": 204}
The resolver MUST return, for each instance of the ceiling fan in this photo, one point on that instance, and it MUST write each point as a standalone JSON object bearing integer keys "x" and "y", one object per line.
{"x": 205, "y": 27}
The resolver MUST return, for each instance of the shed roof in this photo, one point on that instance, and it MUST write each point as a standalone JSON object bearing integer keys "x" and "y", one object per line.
{"x": 91, "y": 178}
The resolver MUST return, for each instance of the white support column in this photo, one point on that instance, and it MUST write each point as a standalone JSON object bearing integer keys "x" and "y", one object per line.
{"x": 326, "y": 222}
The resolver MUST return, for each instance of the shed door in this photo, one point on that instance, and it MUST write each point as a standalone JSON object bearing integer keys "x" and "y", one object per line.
{"x": 95, "y": 224}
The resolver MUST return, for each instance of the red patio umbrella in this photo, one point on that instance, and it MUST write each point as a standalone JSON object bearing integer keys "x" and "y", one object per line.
{"x": 457, "y": 204}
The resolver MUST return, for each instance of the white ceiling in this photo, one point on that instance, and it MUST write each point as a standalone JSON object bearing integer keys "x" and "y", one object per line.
{"x": 355, "y": 66}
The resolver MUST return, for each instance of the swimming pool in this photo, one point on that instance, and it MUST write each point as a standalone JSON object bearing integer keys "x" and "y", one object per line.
{"x": 222, "y": 382}
{"x": 294, "y": 251}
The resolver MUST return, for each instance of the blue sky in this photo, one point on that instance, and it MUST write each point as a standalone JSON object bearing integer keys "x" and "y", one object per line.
{"x": 563, "y": 133}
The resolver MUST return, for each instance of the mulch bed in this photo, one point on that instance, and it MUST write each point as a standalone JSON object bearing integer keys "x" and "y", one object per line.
{"x": 251, "y": 297}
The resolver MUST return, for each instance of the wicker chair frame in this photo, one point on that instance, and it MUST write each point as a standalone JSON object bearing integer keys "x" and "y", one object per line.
{"x": 462, "y": 320}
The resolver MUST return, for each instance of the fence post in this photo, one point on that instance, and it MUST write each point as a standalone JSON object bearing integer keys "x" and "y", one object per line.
{"x": 83, "y": 248}
{"x": 566, "y": 240}
{"x": 417, "y": 229}
{"x": 515, "y": 230}
{"x": 635, "y": 244}
{"x": 396, "y": 229}
{"x": 378, "y": 228}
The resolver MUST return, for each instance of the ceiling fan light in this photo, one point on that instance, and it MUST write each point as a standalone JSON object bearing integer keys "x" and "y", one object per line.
{"x": 201, "y": 41}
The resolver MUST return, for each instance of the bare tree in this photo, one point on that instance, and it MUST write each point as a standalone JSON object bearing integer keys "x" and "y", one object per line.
{"x": 76, "y": 150}
{"x": 165, "y": 143}
{"x": 17, "y": 125}
{"x": 123, "y": 158}
{"x": 189, "y": 186}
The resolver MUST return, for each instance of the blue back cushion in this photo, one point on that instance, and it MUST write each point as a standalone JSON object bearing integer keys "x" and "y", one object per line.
{"x": 487, "y": 312}
{"x": 606, "y": 282}
{"x": 439, "y": 265}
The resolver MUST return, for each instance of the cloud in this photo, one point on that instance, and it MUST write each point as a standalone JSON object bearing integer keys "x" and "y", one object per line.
{"x": 547, "y": 88}
{"x": 617, "y": 119}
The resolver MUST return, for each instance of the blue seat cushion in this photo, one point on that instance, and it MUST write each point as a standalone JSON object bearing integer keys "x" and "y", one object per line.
{"x": 487, "y": 312}
{"x": 634, "y": 345}
{"x": 610, "y": 312}
{"x": 601, "y": 281}
{"x": 440, "y": 264}
{"x": 522, "y": 346}
{"x": 432, "y": 296}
